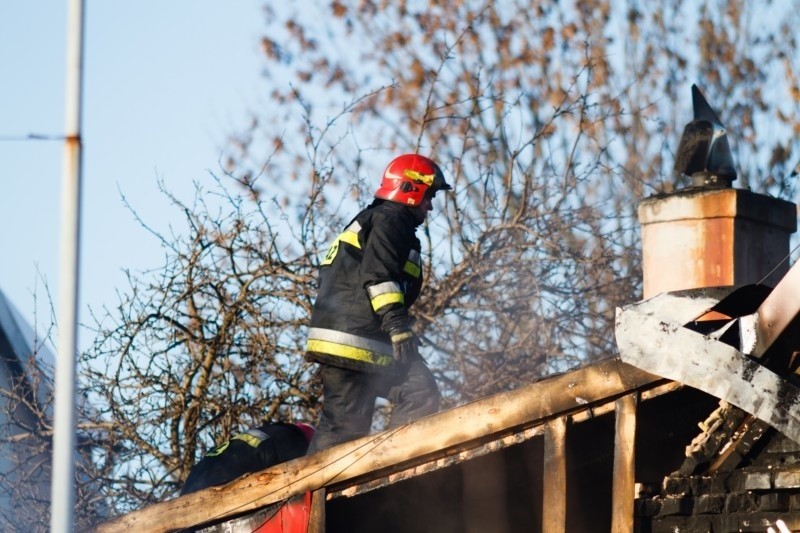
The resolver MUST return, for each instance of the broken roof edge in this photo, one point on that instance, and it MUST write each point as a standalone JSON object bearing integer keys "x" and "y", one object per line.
{"x": 668, "y": 335}
{"x": 668, "y": 349}
{"x": 24, "y": 341}
{"x": 434, "y": 437}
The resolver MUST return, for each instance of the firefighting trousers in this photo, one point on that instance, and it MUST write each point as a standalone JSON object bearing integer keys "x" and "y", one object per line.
{"x": 349, "y": 401}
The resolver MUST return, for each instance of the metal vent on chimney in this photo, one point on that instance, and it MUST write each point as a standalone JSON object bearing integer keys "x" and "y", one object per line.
{"x": 704, "y": 154}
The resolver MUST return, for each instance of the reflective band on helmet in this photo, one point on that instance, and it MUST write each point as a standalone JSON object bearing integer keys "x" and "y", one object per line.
{"x": 349, "y": 352}
{"x": 413, "y": 175}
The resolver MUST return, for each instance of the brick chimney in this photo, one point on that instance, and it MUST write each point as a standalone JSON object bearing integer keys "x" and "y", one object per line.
{"x": 711, "y": 234}
{"x": 706, "y": 237}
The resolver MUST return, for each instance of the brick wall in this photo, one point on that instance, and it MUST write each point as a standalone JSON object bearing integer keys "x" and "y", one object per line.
{"x": 749, "y": 498}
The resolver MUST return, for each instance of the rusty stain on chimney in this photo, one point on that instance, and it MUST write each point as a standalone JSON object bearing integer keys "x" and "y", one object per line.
{"x": 707, "y": 237}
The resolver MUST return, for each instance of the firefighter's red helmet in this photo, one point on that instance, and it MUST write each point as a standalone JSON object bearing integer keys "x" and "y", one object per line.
{"x": 407, "y": 179}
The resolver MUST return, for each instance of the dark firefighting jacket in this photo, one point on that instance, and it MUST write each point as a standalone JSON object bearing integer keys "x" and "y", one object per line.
{"x": 368, "y": 279}
{"x": 251, "y": 451}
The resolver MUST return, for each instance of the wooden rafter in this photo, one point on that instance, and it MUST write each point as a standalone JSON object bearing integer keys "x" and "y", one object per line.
{"x": 435, "y": 437}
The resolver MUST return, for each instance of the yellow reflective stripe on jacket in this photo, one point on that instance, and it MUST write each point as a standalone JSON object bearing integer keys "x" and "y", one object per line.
{"x": 411, "y": 269}
{"x": 349, "y": 235}
{"x": 349, "y": 352}
{"x": 252, "y": 437}
{"x": 247, "y": 438}
{"x": 385, "y": 293}
{"x": 348, "y": 339}
{"x": 413, "y": 266}
{"x": 219, "y": 449}
{"x": 387, "y": 299}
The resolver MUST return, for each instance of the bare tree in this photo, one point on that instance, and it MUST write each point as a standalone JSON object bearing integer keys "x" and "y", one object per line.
{"x": 207, "y": 344}
{"x": 552, "y": 121}
{"x": 26, "y": 440}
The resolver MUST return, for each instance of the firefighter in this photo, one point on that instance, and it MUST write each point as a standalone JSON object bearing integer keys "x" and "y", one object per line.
{"x": 360, "y": 331}
{"x": 251, "y": 451}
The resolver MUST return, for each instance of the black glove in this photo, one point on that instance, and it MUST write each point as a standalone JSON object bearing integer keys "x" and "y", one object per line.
{"x": 405, "y": 347}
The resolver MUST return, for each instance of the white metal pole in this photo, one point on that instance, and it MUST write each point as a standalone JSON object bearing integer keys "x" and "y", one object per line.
{"x": 62, "y": 490}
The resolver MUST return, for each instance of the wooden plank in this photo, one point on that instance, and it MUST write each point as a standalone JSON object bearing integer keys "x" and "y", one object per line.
{"x": 554, "y": 492}
{"x": 437, "y": 464}
{"x": 316, "y": 521}
{"x": 438, "y": 435}
{"x": 512, "y": 439}
{"x": 738, "y": 445}
{"x": 667, "y": 387}
{"x": 644, "y": 395}
{"x": 760, "y": 330}
{"x": 623, "y": 489}
{"x": 675, "y": 352}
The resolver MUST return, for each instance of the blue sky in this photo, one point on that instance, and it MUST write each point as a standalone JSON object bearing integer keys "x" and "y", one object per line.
{"x": 164, "y": 83}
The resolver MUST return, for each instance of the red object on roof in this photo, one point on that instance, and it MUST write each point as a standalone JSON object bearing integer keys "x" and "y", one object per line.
{"x": 291, "y": 516}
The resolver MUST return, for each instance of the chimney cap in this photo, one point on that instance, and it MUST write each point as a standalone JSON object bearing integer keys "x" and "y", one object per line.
{"x": 703, "y": 151}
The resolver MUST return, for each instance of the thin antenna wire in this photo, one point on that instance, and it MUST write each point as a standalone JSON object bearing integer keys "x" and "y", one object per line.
{"x": 31, "y": 137}
{"x": 779, "y": 264}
